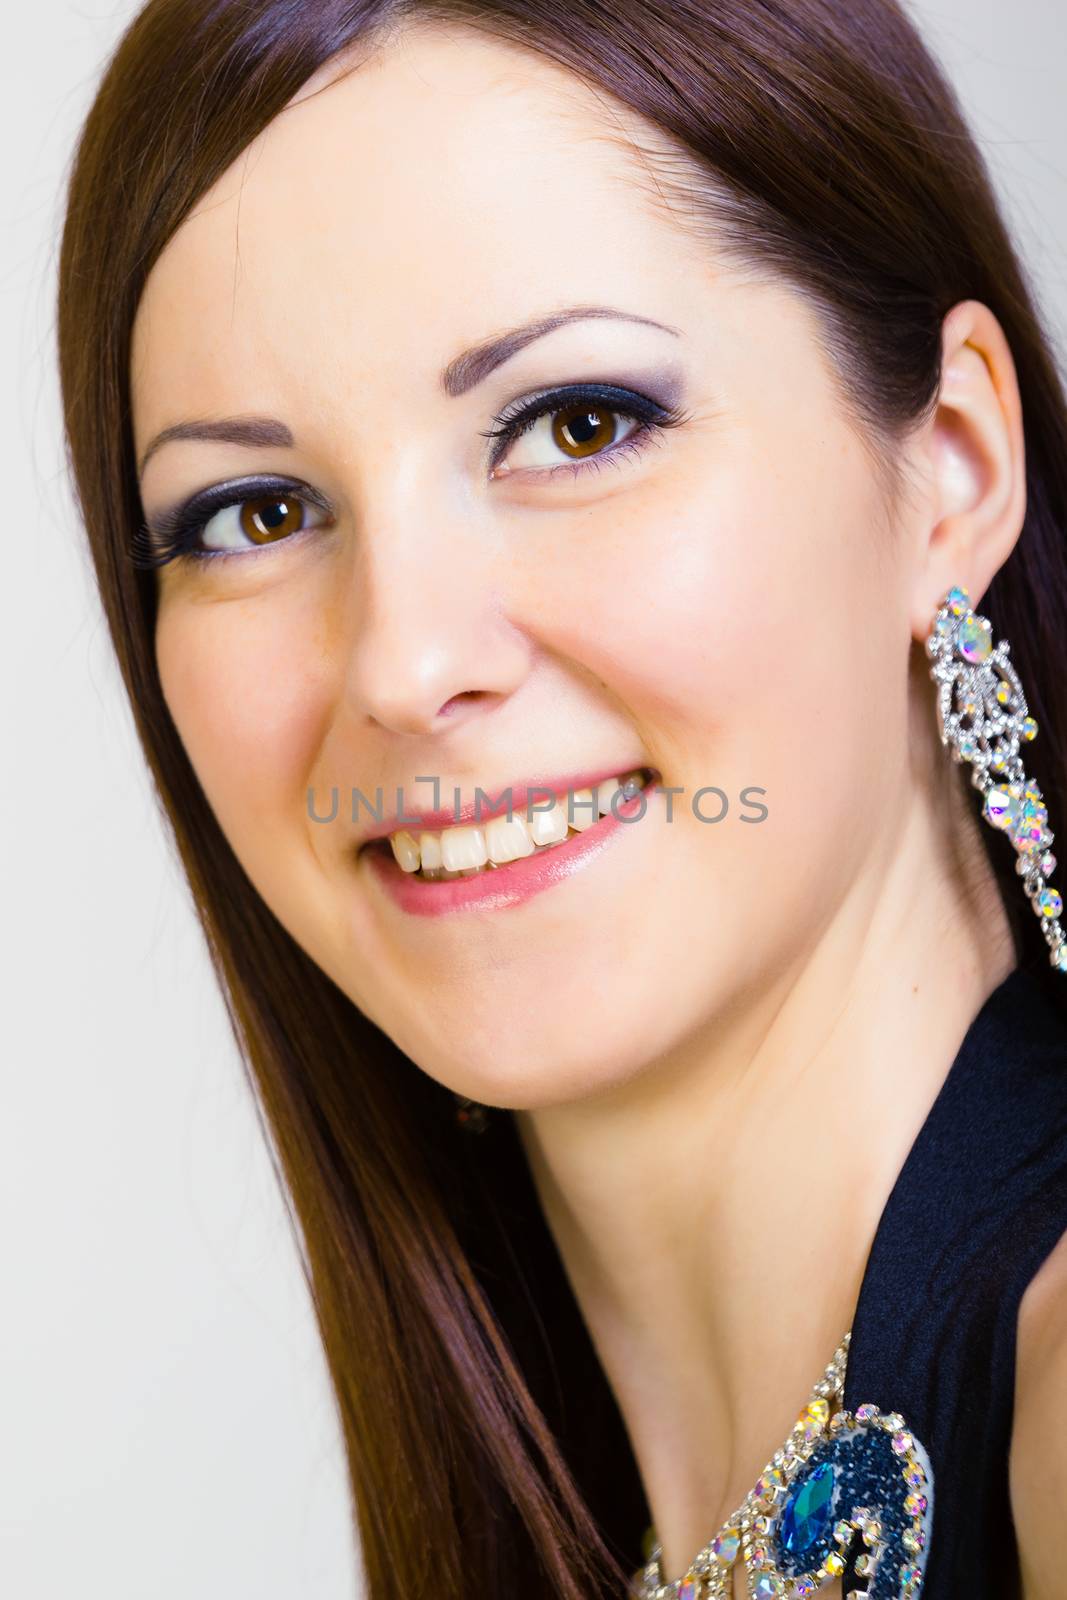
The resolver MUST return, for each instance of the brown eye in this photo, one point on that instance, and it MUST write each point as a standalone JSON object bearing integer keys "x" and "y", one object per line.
{"x": 577, "y": 432}
{"x": 565, "y": 437}
{"x": 583, "y": 430}
{"x": 271, "y": 517}
{"x": 265, "y": 518}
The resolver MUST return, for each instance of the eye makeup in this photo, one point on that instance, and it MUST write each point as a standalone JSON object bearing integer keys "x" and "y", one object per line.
{"x": 516, "y": 420}
{"x": 176, "y": 533}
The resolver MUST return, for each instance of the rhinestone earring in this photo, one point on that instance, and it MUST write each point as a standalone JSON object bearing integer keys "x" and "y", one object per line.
{"x": 982, "y": 714}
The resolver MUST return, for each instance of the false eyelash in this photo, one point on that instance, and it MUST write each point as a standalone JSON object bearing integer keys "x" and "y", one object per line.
{"x": 175, "y": 532}
{"x": 622, "y": 402}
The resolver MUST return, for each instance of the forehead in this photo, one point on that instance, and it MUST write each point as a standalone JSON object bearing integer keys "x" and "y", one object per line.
{"x": 446, "y": 187}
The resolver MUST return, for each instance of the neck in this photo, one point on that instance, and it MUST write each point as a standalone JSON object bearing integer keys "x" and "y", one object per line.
{"x": 715, "y": 1213}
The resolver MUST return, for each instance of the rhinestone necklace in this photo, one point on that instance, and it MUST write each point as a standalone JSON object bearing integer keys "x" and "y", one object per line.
{"x": 840, "y": 1476}
{"x": 711, "y": 1570}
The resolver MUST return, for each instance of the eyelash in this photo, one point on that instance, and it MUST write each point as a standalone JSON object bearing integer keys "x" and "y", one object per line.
{"x": 174, "y": 534}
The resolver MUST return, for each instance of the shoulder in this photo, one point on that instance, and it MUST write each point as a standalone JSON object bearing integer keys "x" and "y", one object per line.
{"x": 1038, "y": 1455}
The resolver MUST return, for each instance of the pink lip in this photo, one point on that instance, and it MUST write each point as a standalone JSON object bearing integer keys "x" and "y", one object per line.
{"x": 449, "y": 817}
{"x": 507, "y": 885}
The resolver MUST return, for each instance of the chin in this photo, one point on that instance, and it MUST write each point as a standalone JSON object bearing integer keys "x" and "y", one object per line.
{"x": 528, "y": 1059}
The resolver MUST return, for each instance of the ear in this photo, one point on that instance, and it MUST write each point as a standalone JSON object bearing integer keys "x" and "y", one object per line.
{"x": 973, "y": 456}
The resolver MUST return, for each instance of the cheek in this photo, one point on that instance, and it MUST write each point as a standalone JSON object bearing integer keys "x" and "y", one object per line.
{"x": 743, "y": 623}
{"x": 737, "y": 610}
{"x": 248, "y": 702}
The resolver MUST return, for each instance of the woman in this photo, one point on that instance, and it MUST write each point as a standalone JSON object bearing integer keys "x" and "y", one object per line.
{"x": 623, "y": 797}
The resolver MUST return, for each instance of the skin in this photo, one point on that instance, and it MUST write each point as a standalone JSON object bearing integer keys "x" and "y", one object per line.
{"x": 728, "y": 606}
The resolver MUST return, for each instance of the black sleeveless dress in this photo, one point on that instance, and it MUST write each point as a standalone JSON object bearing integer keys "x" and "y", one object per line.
{"x": 977, "y": 1207}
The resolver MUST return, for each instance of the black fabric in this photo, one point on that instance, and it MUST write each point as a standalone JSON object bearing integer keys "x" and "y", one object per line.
{"x": 975, "y": 1210}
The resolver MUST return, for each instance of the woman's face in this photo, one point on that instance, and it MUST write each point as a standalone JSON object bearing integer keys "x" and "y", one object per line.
{"x": 710, "y": 600}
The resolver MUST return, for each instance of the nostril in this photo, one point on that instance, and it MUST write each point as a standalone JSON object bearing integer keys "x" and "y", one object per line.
{"x": 457, "y": 700}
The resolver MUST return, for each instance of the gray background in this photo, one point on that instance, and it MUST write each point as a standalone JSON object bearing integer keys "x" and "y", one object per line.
{"x": 166, "y": 1426}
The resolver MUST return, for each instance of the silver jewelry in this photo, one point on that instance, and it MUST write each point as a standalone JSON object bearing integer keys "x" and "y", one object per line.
{"x": 842, "y": 1479}
{"x": 982, "y": 714}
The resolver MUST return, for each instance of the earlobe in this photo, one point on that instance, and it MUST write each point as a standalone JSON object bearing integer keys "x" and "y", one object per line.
{"x": 976, "y": 459}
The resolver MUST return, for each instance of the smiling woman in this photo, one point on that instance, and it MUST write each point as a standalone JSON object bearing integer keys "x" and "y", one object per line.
{"x": 535, "y": 462}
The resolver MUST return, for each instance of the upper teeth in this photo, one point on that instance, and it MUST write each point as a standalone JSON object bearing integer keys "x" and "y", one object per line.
{"x": 469, "y": 848}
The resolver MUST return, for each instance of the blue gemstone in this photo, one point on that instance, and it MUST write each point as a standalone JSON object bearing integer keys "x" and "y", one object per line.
{"x": 808, "y": 1512}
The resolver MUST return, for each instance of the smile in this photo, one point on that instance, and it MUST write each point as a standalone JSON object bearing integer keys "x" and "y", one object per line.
{"x": 505, "y": 859}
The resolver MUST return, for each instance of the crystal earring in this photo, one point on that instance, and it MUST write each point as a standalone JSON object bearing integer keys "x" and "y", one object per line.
{"x": 982, "y": 713}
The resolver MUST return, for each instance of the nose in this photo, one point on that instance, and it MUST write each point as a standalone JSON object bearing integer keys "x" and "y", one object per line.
{"x": 430, "y": 639}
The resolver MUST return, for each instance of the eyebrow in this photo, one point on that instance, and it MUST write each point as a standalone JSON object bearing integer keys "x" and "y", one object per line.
{"x": 460, "y": 375}
{"x": 475, "y": 364}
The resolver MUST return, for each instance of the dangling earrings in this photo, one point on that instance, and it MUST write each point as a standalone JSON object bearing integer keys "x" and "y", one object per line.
{"x": 982, "y": 713}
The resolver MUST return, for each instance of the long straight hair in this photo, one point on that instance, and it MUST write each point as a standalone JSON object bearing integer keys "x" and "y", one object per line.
{"x": 818, "y": 142}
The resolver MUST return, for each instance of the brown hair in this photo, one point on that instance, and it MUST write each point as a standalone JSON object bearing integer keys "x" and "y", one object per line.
{"x": 817, "y": 141}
